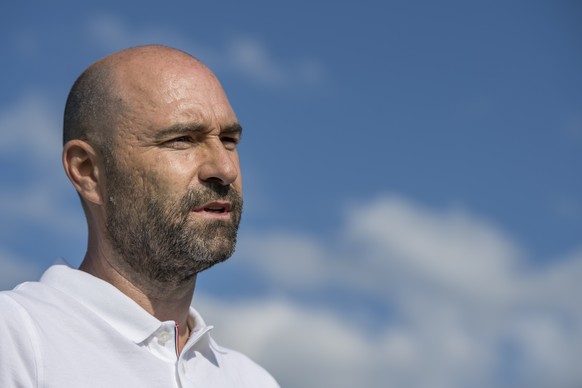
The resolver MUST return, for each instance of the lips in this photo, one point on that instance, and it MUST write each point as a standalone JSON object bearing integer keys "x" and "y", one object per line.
{"x": 215, "y": 208}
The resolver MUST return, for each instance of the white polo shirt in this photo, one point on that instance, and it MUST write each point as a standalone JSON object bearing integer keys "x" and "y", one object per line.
{"x": 72, "y": 329}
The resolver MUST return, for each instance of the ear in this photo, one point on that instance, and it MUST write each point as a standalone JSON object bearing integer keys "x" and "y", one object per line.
{"x": 82, "y": 166}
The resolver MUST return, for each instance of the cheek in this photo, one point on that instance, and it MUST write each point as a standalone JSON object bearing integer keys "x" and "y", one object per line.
{"x": 173, "y": 176}
{"x": 160, "y": 177}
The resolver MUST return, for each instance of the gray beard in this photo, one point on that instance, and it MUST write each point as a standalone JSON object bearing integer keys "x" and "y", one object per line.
{"x": 158, "y": 242}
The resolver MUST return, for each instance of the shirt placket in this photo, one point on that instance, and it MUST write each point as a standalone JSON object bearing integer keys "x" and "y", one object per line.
{"x": 163, "y": 342}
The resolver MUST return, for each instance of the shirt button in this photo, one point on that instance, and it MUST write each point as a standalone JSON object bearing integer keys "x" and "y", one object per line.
{"x": 164, "y": 337}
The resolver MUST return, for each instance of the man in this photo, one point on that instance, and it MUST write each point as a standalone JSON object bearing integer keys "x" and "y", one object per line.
{"x": 150, "y": 144}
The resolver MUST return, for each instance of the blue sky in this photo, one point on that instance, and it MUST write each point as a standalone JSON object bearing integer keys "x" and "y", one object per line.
{"x": 413, "y": 212}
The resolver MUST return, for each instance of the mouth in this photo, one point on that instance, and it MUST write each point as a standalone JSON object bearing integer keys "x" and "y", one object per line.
{"x": 215, "y": 208}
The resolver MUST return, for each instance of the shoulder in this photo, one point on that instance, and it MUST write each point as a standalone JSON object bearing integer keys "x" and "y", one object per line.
{"x": 19, "y": 358}
{"x": 13, "y": 311}
{"x": 25, "y": 309}
{"x": 24, "y": 300}
{"x": 19, "y": 308}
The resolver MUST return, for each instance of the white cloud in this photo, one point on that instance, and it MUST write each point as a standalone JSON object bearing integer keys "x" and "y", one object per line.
{"x": 31, "y": 143}
{"x": 30, "y": 130}
{"x": 287, "y": 259}
{"x": 113, "y": 33}
{"x": 243, "y": 55}
{"x": 252, "y": 58}
{"x": 466, "y": 309}
{"x": 300, "y": 347}
{"x": 389, "y": 244}
{"x": 44, "y": 204}
{"x": 452, "y": 251}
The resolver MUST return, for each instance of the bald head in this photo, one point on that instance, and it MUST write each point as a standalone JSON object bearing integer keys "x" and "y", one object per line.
{"x": 133, "y": 94}
{"x": 99, "y": 97}
{"x": 151, "y": 147}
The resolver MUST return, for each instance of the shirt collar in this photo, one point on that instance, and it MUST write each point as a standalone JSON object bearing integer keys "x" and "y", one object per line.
{"x": 110, "y": 304}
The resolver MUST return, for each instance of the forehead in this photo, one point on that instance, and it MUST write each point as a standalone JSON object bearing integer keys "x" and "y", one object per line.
{"x": 158, "y": 94}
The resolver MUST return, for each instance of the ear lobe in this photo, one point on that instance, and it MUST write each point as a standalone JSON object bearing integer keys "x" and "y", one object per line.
{"x": 81, "y": 166}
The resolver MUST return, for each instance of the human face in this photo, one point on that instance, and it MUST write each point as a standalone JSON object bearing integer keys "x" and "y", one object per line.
{"x": 173, "y": 176}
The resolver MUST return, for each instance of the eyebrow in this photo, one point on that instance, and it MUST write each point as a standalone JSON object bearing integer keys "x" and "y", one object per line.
{"x": 181, "y": 128}
{"x": 234, "y": 129}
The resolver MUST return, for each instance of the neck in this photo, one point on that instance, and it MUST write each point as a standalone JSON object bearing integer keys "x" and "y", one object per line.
{"x": 164, "y": 301}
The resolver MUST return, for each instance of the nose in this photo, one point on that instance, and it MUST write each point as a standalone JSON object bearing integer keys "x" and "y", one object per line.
{"x": 219, "y": 164}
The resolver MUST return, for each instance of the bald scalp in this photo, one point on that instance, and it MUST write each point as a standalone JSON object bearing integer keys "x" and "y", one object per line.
{"x": 95, "y": 103}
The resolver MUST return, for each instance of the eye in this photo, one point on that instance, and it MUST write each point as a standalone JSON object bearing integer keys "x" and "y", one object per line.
{"x": 184, "y": 138}
{"x": 180, "y": 142}
{"x": 230, "y": 142}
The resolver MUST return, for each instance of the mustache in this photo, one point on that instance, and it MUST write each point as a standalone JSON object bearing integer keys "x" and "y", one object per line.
{"x": 211, "y": 192}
